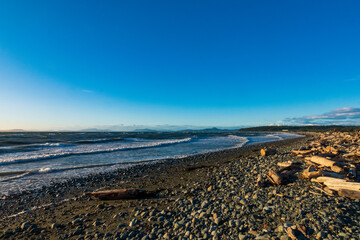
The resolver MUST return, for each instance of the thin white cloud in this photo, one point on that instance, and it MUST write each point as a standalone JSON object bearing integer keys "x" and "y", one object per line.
{"x": 341, "y": 116}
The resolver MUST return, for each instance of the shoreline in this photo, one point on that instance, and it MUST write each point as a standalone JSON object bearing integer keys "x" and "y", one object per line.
{"x": 12, "y": 173}
{"x": 207, "y": 196}
{"x": 68, "y": 189}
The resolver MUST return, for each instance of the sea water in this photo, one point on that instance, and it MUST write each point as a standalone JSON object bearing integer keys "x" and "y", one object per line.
{"x": 33, "y": 160}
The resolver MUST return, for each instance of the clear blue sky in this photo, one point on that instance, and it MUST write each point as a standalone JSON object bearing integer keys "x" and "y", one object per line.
{"x": 69, "y": 64}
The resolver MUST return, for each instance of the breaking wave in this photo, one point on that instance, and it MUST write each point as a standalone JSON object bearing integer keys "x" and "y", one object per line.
{"x": 63, "y": 152}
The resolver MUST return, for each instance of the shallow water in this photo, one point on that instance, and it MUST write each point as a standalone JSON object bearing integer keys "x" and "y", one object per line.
{"x": 33, "y": 160}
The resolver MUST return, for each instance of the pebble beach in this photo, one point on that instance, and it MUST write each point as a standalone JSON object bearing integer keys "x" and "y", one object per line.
{"x": 208, "y": 196}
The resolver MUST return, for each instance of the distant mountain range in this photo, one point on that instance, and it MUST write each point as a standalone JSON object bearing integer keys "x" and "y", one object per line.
{"x": 187, "y": 128}
{"x": 13, "y": 130}
{"x": 157, "y": 128}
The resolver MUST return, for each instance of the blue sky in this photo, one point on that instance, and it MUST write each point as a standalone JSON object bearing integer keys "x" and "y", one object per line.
{"x": 79, "y": 64}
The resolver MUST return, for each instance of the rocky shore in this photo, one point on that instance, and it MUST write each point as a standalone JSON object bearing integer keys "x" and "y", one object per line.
{"x": 208, "y": 196}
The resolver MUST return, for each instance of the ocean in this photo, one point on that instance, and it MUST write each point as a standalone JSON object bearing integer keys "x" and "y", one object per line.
{"x": 33, "y": 160}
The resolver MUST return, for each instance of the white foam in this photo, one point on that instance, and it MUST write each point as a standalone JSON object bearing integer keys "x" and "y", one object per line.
{"x": 45, "y": 170}
{"x": 10, "y": 158}
{"x": 241, "y": 140}
{"x": 34, "y": 145}
{"x": 37, "y": 174}
{"x": 277, "y": 137}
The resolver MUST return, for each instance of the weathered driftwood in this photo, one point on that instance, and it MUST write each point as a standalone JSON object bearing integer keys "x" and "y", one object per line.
{"x": 291, "y": 233}
{"x": 325, "y": 162}
{"x": 337, "y": 184}
{"x": 285, "y": 164}
{"x": 311, "y": 172}
{"x": 351, "y": 154}
{"x": 267, "y": 151}
{"x": 353, "y": 194}
{"x": 335, "y": 144}
{"x": 336, "y": 169}
{"x": 302, "y": 152}
{"x": 119, "y": 194}
{"x": 330, "y": 149}
{"x": 321, "y": 161}
{"x": 328, "y": 191}
{"x": 274, "y": 177}
{"x": 337, "y": 156}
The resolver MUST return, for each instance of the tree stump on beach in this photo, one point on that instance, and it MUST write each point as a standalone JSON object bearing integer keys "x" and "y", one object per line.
{"x": 275, "y": 177}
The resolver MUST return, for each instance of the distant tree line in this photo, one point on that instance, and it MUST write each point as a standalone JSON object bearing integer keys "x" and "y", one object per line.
{"x": 301, "y": 128}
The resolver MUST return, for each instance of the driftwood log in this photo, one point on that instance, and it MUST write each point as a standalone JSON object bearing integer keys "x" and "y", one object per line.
{"x": 337, "y": 184}
{"x": 344, "y": 188}
{"x": 328, "y": 191}
{"x": 349, "y": 193}
{"x": 119, "y": 194}
{"x": 326, "y": 163}
{"x": 311, "y": 172}
{"x": 274, "y": 177}
{"x": 336, "y": 157}
{"x": 288, "y": 164}
{"x": 302, "y": 152}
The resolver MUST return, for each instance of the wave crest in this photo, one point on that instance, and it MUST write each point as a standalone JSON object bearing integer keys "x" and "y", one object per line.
{"x": 63, "y": 153}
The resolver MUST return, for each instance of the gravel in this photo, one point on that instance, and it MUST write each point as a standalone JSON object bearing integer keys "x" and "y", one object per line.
{"x": 210, "y": 196}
